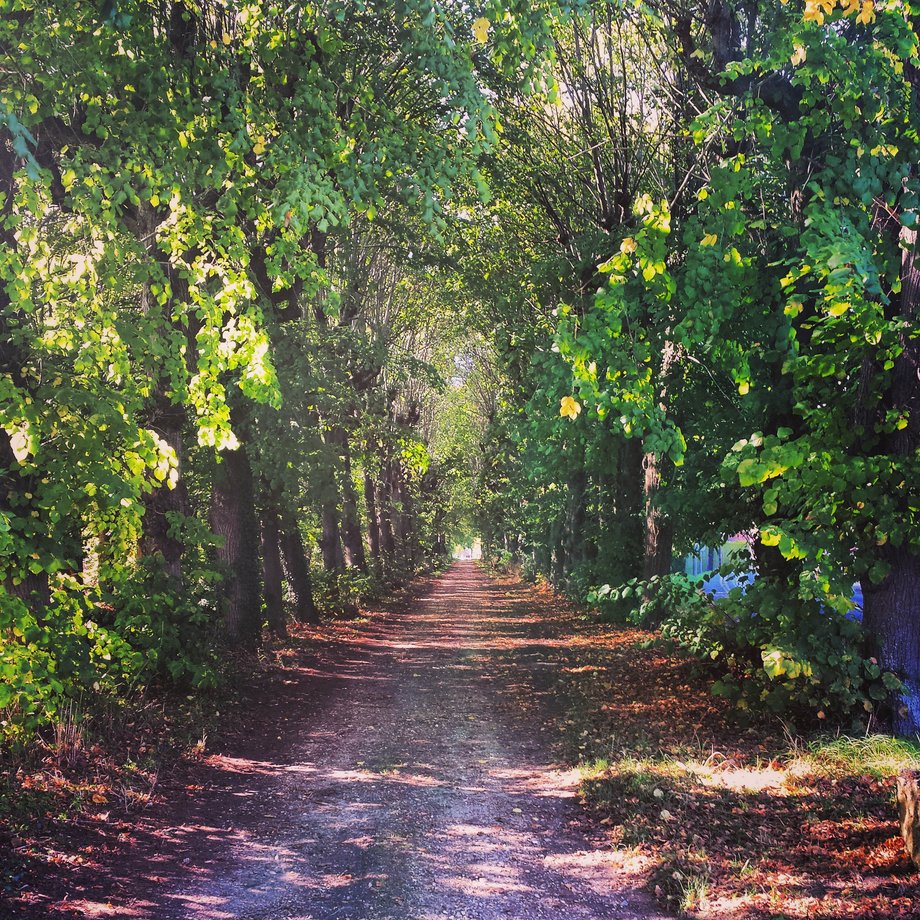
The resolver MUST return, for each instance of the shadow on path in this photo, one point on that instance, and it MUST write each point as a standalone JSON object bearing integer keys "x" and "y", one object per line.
{"x": 407, "y": 776}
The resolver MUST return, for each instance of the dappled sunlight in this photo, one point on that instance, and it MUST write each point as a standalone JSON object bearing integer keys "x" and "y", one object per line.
{"x": 411, "y": 776}
{"x": 93, "y": 908}
{"x": 741, "y": 779}
{"x": 483, "y": 887}
{"x": 243, "y": 765}
{"x": 420, "y": 800}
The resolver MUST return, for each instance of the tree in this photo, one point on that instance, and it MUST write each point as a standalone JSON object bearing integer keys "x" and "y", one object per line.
{"x": 178, "y": 184}
{"x": 756, "y": 332}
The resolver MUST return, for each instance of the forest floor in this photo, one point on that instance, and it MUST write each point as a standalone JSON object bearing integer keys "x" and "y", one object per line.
{"x": 481, "y": 751}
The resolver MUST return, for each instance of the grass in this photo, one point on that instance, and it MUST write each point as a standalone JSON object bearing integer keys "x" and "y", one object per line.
{"x": 735, "y": 822}
{"x": 693, "y": 891}
{"x": 770, "y": 833}
{"x": 878, "y": 756}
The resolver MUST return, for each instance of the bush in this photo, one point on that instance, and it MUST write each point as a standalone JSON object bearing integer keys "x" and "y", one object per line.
{"x": 501, "y": 561}
{"x": 174, "y": 635}
{"x": 339, "y": 593}
{"x": 103, "y": 640}
{"x": 777, "y": 649}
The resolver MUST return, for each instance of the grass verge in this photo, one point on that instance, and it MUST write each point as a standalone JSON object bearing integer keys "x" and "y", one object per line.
{"x": 753, "y": 823}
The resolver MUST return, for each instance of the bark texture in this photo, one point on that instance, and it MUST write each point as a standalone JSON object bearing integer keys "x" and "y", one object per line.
{"x": 297, "y": 564}
{"x": 658, "y": 537}
{"x": 272, "y": 572}
{"x": 232, "y": 516}
{"x": 909, "y": 812}
{"x": 352, "y": 540}
{"x": 330, "y": 542}
{"x": 891, "y": 613}
{"x": 373, "y": 524}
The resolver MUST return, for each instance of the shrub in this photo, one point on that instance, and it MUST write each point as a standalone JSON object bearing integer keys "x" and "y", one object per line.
{"x": 340, "y": 593}
{"x": 782, "y": 652}
{"x": 103, "y": 640}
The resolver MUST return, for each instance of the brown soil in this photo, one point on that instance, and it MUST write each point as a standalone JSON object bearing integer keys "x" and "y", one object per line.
{"x": 407, "y": 770}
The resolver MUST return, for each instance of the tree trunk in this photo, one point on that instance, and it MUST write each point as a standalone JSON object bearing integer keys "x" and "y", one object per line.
{"x": 557, "y": 550}
{"x": 659, "y": 535}
{"x": 656, "y": 560}
{"x": 574, "y": 536}
{"x": 168, "y": 422}
{"x": 330, "y": 543}
{"x": 409, "y": 533}
{"x": 385, "y": 512}
{"x": 298, "y": 572}
{"x": 398, "y": 511}
{"x": 628, "y": 527}
{"x": 272, "y": 572}
{"x": 351, "y": 524}
{"x": 891, "y": 613}
{"x": 373, "y": 524}
{"x": 891, "y": 616}
{"x": 232, "y": 516}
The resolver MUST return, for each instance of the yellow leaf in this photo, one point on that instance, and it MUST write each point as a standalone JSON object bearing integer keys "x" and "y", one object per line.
{"x": 702, "y": 194}
{"x": 867, "y": 13}
{"x": 710, "y": 240}
{"x": 569, "y": 408}
{"x": 628, "y": 245}
{"x": 839, "y": 308}
{"x": 226, "y": 38}
{"x": 744, "y": 388}
{"x": 851, "y": 6}
{"x": 19, "y": 444}
{"x": 799, "y": 55}
{"x": 481, "y": 30}
{"x": 258, "y": 148}
{"x": 813, "y": 13}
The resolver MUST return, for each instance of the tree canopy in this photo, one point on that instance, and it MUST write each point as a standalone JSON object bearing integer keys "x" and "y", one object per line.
{"x": 294, "y": 298}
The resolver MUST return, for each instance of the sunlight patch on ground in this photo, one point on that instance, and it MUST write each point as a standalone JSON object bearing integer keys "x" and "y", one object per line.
{"x": 483, "y": 887}
{"x": 243, "y": 765}
{"x": 739, "y": 779}
{"x": 362, "y": 842}
{"x": 544, "y": 782}
{"x": 90, "y": 908}
{"x": 307, "y": 768}
{"x": 210, "y": 903}
{"x": 622, "y": 858}
{"x": 468, "y": 830}
{"x": 390, "y": 773}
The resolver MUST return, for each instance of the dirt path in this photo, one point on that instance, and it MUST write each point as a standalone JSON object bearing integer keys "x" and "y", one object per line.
{"x": 411, "y": 778}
